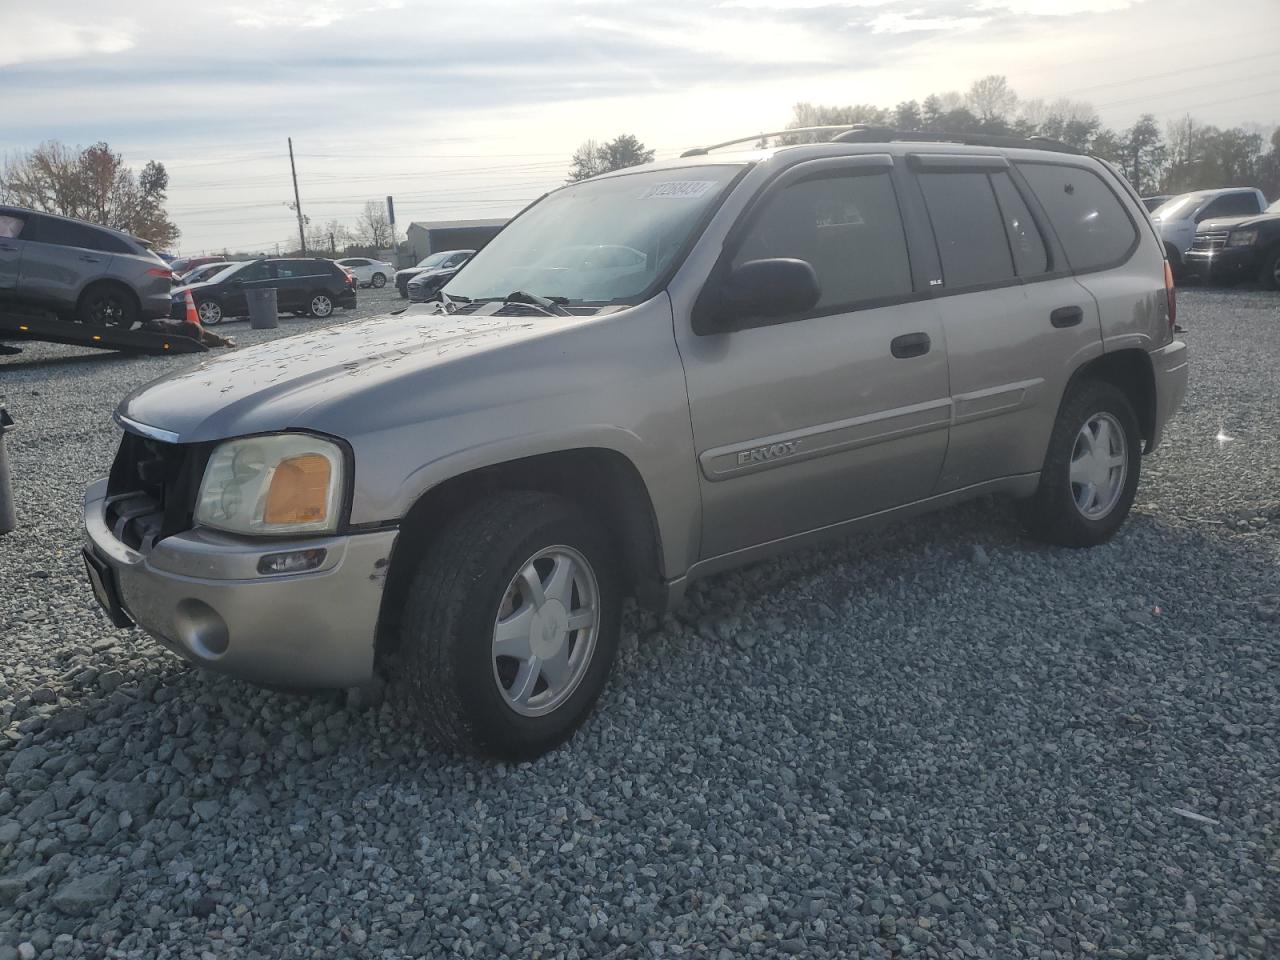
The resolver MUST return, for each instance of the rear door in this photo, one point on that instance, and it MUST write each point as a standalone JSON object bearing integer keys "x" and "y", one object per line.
{"x": 1017, "y": 323}
{"x": 836, "y": 413}
{"x": 12, "y": 226}
{"x": 295, "y": 281}
{"x": 60, "y": 258}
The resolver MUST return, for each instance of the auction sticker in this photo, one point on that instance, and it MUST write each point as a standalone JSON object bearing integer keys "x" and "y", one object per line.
{"x": 678, "y": 190}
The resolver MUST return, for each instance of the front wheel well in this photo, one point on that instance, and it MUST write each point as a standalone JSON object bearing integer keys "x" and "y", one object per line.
{"x": 1131, "y": 372}
{"x": 604, "y": 483}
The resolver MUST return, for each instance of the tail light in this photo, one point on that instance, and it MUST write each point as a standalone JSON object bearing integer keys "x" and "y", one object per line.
{"x": 1170, "y": 295}
{"x": 160, "y": 272}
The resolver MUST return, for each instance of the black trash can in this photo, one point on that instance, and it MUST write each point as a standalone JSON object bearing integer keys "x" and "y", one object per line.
{"x": 262, "y": 308}
{"x": 8, "y": 520}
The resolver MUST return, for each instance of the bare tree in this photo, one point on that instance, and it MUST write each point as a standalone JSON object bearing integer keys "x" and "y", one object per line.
{"x": 373, "y": 229}
{"x": 991, "y": 99}
{"x": 92, "y": 184}
{"x": 592, "y": 158}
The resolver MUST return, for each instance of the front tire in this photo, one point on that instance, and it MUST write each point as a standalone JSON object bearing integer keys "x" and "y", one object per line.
{"x": 321, "y": 305}
{"x": 511, "y": 626}
{"x": 1270, "y": 276}
{"x": 378, "y": 281}
{"x": 209, "y": 312}
{"x": 1091, "y": 470}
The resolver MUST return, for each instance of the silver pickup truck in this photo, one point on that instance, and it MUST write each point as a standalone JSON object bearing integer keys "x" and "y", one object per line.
{"x": 646, "y": 378}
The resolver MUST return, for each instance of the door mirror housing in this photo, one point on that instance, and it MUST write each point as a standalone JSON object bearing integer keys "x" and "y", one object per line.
{"x": 772, "y": 288}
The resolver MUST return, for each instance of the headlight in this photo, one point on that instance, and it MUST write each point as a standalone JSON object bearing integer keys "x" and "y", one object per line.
{"x": 278, "y": 484}
{"x": 1242, "y": 238}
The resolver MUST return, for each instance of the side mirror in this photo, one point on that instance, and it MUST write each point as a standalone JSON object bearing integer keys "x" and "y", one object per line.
{"x": 776, "y": 287}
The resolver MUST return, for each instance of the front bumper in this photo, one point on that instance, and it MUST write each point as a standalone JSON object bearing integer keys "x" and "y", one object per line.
{"x": 1224, "y": 265}
{"x": 1169, "y": 365}
{"x": 199, "y": 593}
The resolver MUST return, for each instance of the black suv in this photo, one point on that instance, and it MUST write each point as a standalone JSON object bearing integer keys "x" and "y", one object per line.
{"x": 303, "y": 286}
{"x": 1231, "y": 249}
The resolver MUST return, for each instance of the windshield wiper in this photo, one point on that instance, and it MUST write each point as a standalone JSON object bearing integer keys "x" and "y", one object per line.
{"x": 552, "y": 306}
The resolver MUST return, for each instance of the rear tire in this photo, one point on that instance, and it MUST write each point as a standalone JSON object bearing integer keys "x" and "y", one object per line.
{"x": 378, "y": 281}
{"x": 321, "y": 305}
{"x": 1091, "y": 470}
{"x": 107, "y": 305}
{"x": 472, "y": 596}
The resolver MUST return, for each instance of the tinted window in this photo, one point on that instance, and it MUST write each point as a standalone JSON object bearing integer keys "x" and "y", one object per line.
{"x": 968, "y": 228}
{"x": 848, "y": 227}
{"x": 258, "y": 270}
{"x": 68, "y": 233}
{"x": 1088, "y": 217}
{"x": 288, "y": 269}
{"x": 1029, "y": 255}
{"x": 1231, "y": 205}
{"x": 10, "y": 226}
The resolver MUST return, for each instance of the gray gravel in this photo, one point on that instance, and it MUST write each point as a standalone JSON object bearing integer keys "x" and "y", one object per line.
{"x": 938, "y": 741}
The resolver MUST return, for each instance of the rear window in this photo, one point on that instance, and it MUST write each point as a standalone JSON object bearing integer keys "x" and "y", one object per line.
{"x": 1089, "y": 219}
{"x": 968, "y": 228}
{"x": 10, "y": 226}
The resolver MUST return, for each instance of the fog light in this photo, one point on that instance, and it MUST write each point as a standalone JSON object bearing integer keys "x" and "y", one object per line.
{"x": 294, "y": 561}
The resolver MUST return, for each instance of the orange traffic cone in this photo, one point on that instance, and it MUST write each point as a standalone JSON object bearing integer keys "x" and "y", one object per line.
{"x": 192, "y": 316}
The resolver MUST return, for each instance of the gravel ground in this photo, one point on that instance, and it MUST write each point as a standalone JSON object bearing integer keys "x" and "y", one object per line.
{"x": 939, "y": 741}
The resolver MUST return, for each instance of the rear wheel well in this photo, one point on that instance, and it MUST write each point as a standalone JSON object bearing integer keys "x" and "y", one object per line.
{"x": 602, "y": 482}
{"x": 1129, "y": 371}
{"x": 109, "y": 284}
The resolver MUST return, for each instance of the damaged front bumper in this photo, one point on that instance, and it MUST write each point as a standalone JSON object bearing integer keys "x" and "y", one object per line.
{"x": 201, "y": 594}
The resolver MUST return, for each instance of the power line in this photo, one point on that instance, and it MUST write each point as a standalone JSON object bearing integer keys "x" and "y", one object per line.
{"x": 1182, "y": 90}
{"x": 1172, "y": 73}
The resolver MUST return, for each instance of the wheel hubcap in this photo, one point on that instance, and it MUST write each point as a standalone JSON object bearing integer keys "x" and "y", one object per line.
{"x": 1099, "y": 465}
{"x": 209, "y": 313}
{"x": 320, "y": 306}
{"x": 545, "y": 632}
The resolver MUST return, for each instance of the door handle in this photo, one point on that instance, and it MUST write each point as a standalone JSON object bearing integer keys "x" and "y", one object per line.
{"x": 87, "y": 259}
{"x": 5, "y": 246}
{"x": 910, "y": 345}
{"x": 1066, "y": 317}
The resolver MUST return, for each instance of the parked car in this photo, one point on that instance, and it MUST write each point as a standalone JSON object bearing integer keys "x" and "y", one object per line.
{"x": 1231, "y": 249}
{"x": 201, "y": 274}
{"x": 427, "y": 284}
{"x": 304, "y": 286}
{"x": 444, "y": 260}
{"x": 76, "y": 269}
{"x": 1152, "y": 202}
{"x": 817, "y": 339}
{"x": 184, "y": 265}
{"x": 368, "y": 273}
{"x": 1176, "y": 219}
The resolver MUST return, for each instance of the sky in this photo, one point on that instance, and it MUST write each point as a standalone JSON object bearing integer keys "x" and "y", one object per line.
{"x": 472, "y": 109}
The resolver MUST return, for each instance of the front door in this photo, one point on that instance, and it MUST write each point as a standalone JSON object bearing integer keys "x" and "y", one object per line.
{"x": 834, "y": 414}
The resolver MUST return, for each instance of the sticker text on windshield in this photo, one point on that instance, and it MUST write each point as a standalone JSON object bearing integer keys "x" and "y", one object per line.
{"x": 678, "y": 190}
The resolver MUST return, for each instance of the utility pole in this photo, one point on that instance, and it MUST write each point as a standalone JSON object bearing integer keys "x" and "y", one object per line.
{"x": 297, "y": 202}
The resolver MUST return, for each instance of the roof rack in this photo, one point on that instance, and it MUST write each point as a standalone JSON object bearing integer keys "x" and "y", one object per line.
{"x": 865, "y": 133}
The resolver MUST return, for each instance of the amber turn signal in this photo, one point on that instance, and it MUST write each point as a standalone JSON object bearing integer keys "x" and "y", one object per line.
{"x": 299, "y": 491}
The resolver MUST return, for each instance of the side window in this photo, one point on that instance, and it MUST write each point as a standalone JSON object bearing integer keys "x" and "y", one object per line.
{"x": 1029, "y": 255}
{"x": 68, "y": 233}
{"x": 1087, "y": 216}
{"x": 258, "y": 270}
{"x": 109, "y": 243}
{"x": 848, "y": 227}
{"x": 11, "y": 226}
{"x": 291, "y": 269}
{"x": 1230, "y": 205}
{"x": 968, "y": 228}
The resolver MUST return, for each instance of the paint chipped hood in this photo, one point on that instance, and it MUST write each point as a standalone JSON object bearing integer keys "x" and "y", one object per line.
{"x": 346, "y": 379}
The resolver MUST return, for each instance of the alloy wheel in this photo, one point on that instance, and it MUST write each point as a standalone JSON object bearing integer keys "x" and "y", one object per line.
{"x": 321, "y": 306}
{"x": 546, "y": 630}
{"x": 1099, "y": 466}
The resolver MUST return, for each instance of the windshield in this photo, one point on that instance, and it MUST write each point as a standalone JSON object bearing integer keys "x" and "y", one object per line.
{"x": 433, "y": 261}
{"x": 227, "y": 269}
{"x": 600, "y": 241}
{"x": 1274, "y": 208}
{"x": 1179, "y": 208}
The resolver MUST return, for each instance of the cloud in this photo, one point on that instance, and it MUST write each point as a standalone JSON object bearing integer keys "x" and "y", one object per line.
{"x": 303, "y": 14}
{"x": 33, "y": 37}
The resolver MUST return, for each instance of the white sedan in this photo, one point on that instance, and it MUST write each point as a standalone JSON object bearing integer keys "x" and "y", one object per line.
{"x": 369, "y": 273}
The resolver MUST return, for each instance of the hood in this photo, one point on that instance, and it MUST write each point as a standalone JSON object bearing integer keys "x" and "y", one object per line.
{"x": 433, "y": 274}
{"x": 1219, "y": 224}
{"x": 274, "y": 385}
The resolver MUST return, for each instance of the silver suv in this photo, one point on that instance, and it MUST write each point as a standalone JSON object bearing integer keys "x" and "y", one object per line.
{"x": 781, "y": 346}
{"x": 99, "y": 276}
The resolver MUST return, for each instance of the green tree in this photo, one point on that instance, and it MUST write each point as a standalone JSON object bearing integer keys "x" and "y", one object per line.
{"x": 1143, "y": 154}
{"x": 593, "y": 158}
